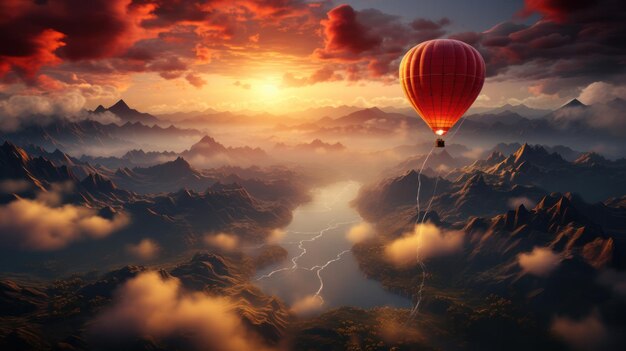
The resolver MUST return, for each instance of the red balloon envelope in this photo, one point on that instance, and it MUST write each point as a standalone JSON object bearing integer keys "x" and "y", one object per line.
{"x": 442, "y": 78}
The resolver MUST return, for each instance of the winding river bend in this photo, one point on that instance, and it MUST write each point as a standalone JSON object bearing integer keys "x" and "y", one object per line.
{"x": 320, "y": 263}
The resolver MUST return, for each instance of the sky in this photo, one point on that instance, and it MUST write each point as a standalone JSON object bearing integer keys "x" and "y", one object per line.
{"x": 163, "y": 56}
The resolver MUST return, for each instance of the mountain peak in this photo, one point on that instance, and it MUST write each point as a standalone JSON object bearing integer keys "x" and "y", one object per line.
{"x": 573, "y": 103}
{"x": 99, "y": 109}
{"x": 181, "y": 162}
{"x": 120, "y": 105}
{"x": 10, "y": 150}
{"x": 591, "y": 158}
{"x": 207, "y": 140}
{"x": 529, "y": 153}
{"x": 96, "y": 182}
{"x": 474, "y": 183}
{"x": 206, "y": 146}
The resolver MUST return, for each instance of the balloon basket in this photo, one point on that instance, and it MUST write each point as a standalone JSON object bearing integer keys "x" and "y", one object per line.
{"x": 440, "y": 143}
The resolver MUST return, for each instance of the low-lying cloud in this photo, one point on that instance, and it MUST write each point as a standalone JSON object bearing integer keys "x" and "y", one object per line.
{"x": 515, "y": 202}
{"x": 153, "y": 307}
{"x": 601, "y": 92}
{"x": 360, "y": 232}
{"x": 23, "y": 110}
{"x": 223, "y": 241}
{"x": 146, "y": 249}
{"x": 275, "y": 236}
{"x": 585, "y": 334}
{"x": 541, "y": 261}
{"x": 307, "y": 305}
{"x": 13, "y": 186}
{"x": 34, "y": 225}
{"x": 426, "y": 241}
{"x": 615, "y": 280}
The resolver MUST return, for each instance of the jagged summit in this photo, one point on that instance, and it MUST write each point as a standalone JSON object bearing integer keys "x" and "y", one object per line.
{"x": 119, "y": 106}
{"x": 10, "y": 151}
{"x": 207, "y": 146}
{"x": 573, "y": 103}
{"x": 591, "y": 159}
{"x": 171, "y": 170}
{"x": 475, "y": 183}
{"x": 127, "y": 114}
{"x": 97, "y": 182}
{"x": 208, "y": 141}
{"x": 534, "y": 154}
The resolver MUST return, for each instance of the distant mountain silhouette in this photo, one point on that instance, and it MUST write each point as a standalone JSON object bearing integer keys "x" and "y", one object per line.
{"x": 316, "y": 145}
{"x": 564, "y": 151}
{"x": 504, "y": 117}
{"x": 208, "y": 148}
{"x": 438, "y": 163}
{"x": 79, "y": 137}
{"x": 521, "y": 110}
{"x": 127, "y": 114}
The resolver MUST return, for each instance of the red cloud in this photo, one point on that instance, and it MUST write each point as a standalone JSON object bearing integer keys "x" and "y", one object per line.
{"x": 574, "y": 44}
{"x": 371, "y": 41}
{"x": 345, "y": 35}
{"x": 41, "y": 52}
{"x": 41, "y": 33}
{"x": 557, "y": 10}
{"x": 195, "y": 80}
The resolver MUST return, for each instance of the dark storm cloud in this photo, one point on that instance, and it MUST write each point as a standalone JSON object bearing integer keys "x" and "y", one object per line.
{"x": 574, "y": 43}
{"x": 372, "y": 39}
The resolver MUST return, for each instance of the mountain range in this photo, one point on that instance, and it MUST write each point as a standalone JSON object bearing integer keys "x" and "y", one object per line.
{"x": 203, "y": 274}
{"x": 574, "y": 246}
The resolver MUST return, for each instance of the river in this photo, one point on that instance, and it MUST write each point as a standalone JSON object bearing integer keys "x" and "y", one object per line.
{"x": 320, "y": 265}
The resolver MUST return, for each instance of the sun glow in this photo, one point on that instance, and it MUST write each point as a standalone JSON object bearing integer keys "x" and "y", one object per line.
{"x": 269, "y": 90}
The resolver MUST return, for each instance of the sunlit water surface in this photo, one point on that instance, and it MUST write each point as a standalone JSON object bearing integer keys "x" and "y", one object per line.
{"x": 343, "y": 283}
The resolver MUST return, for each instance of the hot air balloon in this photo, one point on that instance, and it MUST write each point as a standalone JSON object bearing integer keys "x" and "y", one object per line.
{"x": 442, "y": 78}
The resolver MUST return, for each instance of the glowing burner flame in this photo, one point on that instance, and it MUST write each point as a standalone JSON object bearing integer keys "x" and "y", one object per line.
{"x": 439, "y": 132}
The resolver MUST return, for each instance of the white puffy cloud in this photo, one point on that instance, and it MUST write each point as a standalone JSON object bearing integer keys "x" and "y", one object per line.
{"x": 223, "y": 241}
{"x": 427, "y": 241}
{"x": 25, "y": 109}
{"x": 153, "y": 307}
{"x": 35, "y": 225}
{"x": 10, "y": 186}
{"x": 541, "y": 261}
{"x": 601, "y": 92}
{"x": 360, "y": 232}
{"x": 307, "y": 305}
{"x": 146, "y": 249}
{"x": 275, "y": 236}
